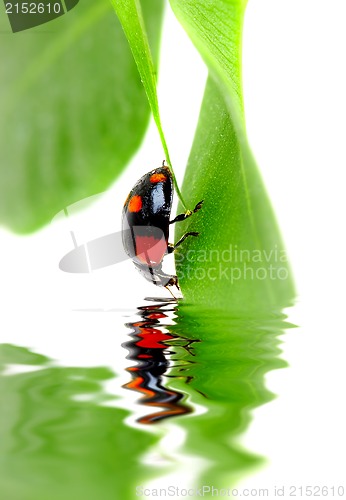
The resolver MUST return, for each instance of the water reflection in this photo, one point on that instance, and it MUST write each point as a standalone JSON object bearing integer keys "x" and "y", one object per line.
{"x": 59, "y": 440}
{"x": 233, "y": 355}
{"x": 209, "y": 359}
{"x": 151, "y": 348}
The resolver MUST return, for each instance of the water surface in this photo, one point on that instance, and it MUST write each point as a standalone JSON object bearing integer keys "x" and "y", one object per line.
{"x": 64, "y": 436}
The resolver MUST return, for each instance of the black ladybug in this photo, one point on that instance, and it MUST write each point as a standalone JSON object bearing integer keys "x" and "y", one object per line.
{"x": 145, "y": 224}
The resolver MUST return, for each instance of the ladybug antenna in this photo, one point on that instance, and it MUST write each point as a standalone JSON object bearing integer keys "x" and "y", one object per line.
{"x": 170, "y": 291}
{"x": 163, "y": 163}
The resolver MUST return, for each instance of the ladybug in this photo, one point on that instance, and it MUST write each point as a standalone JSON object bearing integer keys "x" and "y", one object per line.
{"x": 146, "y": 221}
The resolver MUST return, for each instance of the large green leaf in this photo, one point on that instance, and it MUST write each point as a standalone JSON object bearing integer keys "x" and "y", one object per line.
{"x": 73, "y": 109}
{"x": 238, "y": 262}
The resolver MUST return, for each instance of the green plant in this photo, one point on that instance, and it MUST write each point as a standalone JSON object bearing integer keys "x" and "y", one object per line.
{"x": 221, "y": 169}
{"x": 73, "y": 110}
{"x": 49, "y": 171}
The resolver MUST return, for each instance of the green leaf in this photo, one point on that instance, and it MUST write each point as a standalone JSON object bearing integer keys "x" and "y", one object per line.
{"x": 73, "y": 110}
{"x": 238, "y": 262}
{"x": 130, "y": 15}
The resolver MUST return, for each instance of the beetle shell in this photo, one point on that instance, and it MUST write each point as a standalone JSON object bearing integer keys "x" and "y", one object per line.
{"x": 145, "y": 223}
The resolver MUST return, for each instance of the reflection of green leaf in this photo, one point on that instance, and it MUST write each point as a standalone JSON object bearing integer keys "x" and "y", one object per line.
{"x": 20, "y": 356}
{"x": 73, "y": 110}
{"x": 237, "y": 215}
{"x": 55, "y": 446}
{"x": 224, "y": 373}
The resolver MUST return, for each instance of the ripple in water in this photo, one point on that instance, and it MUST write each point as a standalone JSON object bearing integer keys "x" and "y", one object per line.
{"x": 152, "y": 348}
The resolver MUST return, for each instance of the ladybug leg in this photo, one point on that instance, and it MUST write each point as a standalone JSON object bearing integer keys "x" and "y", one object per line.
{"x": 165, "y": 280}
{"x": 172, "y": 282}
{"x": 181, "y": 217}
{"x": 172, "y": 247}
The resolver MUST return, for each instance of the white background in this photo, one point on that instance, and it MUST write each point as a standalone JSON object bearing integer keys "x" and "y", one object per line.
{"x": 294, "y": 87}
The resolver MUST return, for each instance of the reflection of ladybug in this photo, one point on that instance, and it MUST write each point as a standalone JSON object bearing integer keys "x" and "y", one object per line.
{"x": 146, "y": 223}
{"x": 150, "y": 346}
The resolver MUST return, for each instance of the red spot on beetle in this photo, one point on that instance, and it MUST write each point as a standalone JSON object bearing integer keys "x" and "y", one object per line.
{"x": 150, "y": 250}
{"x": 135, "y": 204}
{"x": 157, "y": 178}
